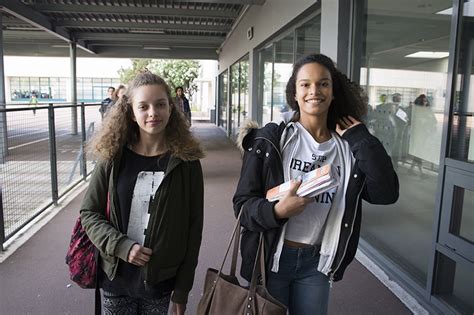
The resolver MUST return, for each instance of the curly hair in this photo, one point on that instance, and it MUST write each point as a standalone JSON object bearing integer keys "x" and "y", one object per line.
{"x": 349, "y": 98}
{"x": 119, "y": 129}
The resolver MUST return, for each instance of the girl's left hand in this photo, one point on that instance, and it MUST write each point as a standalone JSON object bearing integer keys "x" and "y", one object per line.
{"x": 178, "y": 309}
{"x": 346, "y": 123}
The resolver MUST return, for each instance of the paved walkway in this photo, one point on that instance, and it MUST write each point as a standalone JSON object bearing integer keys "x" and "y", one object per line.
{"x": 34, "y": 279}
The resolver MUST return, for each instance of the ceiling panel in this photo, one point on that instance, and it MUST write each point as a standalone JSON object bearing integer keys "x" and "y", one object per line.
{"x": 102, "y": 27}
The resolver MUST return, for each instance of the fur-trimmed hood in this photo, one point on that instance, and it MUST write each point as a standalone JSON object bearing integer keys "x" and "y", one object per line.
{"x": 250, "y": 129}
{"x": 246, "y": 128}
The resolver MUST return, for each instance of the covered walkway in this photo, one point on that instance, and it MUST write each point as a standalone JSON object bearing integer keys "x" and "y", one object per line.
{"x": 34, "y": 279}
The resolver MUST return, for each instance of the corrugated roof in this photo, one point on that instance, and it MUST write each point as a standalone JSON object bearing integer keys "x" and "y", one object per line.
{"x": 99, "y": 26}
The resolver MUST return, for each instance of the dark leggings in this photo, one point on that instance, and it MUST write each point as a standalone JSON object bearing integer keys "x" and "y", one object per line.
{"x": 114, "y": 304}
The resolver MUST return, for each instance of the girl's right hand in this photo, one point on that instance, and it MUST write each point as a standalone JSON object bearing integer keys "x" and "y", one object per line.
{"x": 291, "y": 204}
{"x": 139, "y": 255}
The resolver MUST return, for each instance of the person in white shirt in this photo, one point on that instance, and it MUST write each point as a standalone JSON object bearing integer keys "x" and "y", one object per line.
{"x": 309, "y": 242}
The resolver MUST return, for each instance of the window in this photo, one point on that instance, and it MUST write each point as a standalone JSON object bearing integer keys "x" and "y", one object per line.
{"x": 406, "y": 89}
{"x": 223, "y": 93}
{"x": 276, "y": 64}
{"x": 239, "y": 94}
{"x": 282, "y": 69}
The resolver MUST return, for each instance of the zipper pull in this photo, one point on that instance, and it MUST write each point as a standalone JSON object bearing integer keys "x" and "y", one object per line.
{"x": 331, "y": 280}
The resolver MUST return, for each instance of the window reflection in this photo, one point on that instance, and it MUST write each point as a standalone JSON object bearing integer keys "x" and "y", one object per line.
{"x": 244, "y": 90}
{"x": 239, "y": 94}
{"x": 282, "y": 72}
{"x": 276, "y": 62}
{"x": 234, "y": 97}
{"x": 406, "y": 90}
{"x": 266, "y": 79}
{"x": 223, "y": 90}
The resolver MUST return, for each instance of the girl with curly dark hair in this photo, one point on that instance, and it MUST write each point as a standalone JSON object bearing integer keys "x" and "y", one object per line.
{"x": 149, "y": 177}
{"x": 309, "y": 241}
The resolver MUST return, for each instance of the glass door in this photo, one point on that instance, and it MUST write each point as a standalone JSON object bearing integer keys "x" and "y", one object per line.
{"x": 454, "y": 271}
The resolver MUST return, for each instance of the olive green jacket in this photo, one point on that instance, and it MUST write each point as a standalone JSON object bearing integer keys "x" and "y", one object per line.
{"x": 174, "y": 230}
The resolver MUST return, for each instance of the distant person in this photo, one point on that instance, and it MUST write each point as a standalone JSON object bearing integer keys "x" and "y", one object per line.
{"x": 34, "y": 103}
{"x": 183, "y": 103}
{"x": 107, "y": 102}
{"x": 118, "y": 93}
{"x": 152, "y": 174}
{"x": 423, "y": 119}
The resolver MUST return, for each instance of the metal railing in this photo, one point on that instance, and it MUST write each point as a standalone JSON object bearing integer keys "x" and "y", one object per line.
{"x": 42, "y": 157}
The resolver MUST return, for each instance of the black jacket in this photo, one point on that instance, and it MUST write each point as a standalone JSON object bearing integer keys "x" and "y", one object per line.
{"x": 372, "y": 179}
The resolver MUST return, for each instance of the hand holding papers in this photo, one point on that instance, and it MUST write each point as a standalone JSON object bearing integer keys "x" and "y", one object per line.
{"x": 312, "y": 184}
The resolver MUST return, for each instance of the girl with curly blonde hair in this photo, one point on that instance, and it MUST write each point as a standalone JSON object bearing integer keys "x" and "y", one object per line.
{"x": 149, "y": 178}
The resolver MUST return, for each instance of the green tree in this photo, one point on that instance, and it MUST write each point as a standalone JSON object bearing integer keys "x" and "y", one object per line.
{"x": 178, "y": 73}
{"x": 126, "y": 75}
{"x": 175, "y": 72}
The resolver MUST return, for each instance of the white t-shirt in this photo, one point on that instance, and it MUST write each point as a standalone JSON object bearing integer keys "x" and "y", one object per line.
{"x": 308, "y": 226}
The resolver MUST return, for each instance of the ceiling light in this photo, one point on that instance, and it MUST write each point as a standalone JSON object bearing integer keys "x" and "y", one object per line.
{"x": 22, "y": 28}
{"x": 428, "y": 54}
{"x": 141, "y": 31}
{"x": 156, "y": 48}
{"x": 468, "y": 10}
{"x": 60, "y": 46}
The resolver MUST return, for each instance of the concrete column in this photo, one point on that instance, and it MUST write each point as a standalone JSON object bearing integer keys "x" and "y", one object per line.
{"x": 329, "y": 28}
{"x": 253, "y": 87}
{"x": 3, "y": 115}
{"x": 72, "y": 54}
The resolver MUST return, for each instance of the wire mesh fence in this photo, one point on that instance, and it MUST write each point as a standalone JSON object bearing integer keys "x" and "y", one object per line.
{"x": 41, "y": 158}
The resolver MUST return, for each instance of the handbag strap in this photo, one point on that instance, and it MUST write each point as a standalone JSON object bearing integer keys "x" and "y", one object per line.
{"x": 235, "y": 251}
{"x": 258, "y": 267}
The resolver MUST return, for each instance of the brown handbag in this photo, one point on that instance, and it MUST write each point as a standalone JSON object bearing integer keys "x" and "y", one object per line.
{"x": 224, "y": 295}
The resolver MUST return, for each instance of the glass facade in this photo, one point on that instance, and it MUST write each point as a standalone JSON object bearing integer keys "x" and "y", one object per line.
{"x": 56, "y": 89}
{"x": 406, "y": 90}
{"x": 239, "y": 94}
{"x": 223, "y": 94}
{"x": 266, "y": 83}
{"x": 308, "y": 37}
{"x": 414, "y": 98}
{"x": 276, "y": 62}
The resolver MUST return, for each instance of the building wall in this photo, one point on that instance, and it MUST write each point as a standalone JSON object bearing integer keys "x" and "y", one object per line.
{"x": 266, "y": 20}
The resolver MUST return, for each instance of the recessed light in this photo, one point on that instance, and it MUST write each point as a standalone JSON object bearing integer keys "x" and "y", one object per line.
{"x": 428, "y": 54}
{"x": 140, "y": 31}
{"x": 156, "y": 48}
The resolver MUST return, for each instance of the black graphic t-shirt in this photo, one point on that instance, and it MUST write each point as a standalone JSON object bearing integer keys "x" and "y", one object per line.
{"x": 138, "y": 179}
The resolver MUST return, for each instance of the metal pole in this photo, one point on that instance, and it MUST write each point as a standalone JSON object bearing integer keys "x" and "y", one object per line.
{"x": 83, "y": 142}
{"x": 3, "y": 115}
{"x": 72, "y": 53}
{"x": 52, "y": 155}
{"x": 2, "y": 222}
